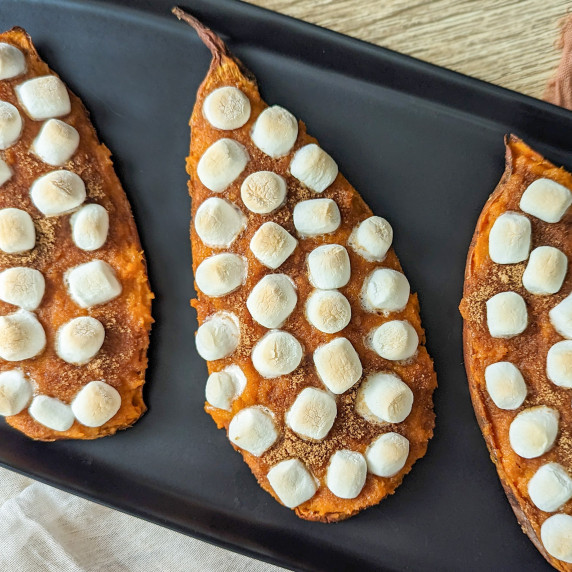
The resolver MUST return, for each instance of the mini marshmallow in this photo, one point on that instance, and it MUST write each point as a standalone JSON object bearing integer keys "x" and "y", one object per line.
{"x": 395, "y": 340}
{"x": 253, "y": 430}
{"x": 96, "y": 404}
{"x": 51, "y": 413}
{"x": 17, "y": 232}
{"x": 316, "y": 217}
{"x": 546, "y": 200}
{"x": 56, "y": 142}
{"x": 509, "y": 238}
{"x": 385, "y": 397}
{"x": 346, "y": 474}
{"x": 263, "y": 192}
{"x": 313, "y": 167}
{"x": 338, "y": 365}
{"x": 5, "y": 172}
{"x": 218, "y": 337}
{"x": 10, "y": 124}
{"x": 329, "y": 267}
{"x": 505, "y": 385}
{"x": 12, "y": 61}
{"x": 218, "y": 222}
{"x": 550, "y": 487}
{"x": 561, "y": 317}
{"x": 92, "y": 283}
{"x": 292, "y": 482}
{"x": 276, "y": 353}
{"x": 275, "y": 131}
{"x": 556, "y": 535}
{"x": 79, "y": 340}
{"x": 223, "y": 387}
{"x": 22, "y": 287}
{"x": 312, "y": 414}
{"x": 272, "y": 245}
{"x": 44, "y": 97}
{"x": 559, "y": 364}
{"x": 386, "y": 290}
{"x": 221, "y": 164}
{"x": 15, "y": 392}
{"x": 58, "y": 192}
{"x": 506, "y": 315}
{"x": 328, "y": 311}
{"x": 90, "y": 225}
{"x": 272, "y": 300}
{"x": 226, "y": 108}
{"x": 387, "y": 454}
{"x": 372, "y": 238}
{"x": 533, "y": 431}
{"x": 21, "y": 336}
{"x": 545, "y": 270}
{"x": 221, "y": 274}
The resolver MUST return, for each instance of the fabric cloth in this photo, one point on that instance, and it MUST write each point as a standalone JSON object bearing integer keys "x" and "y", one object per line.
{"x": 559, "y": 88}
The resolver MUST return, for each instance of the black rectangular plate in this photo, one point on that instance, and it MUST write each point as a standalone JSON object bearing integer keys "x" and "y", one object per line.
{"x": 423, "y": 145}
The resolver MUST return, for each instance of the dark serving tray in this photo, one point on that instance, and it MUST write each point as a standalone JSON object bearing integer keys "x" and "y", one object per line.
{"x": 425, "y": 148}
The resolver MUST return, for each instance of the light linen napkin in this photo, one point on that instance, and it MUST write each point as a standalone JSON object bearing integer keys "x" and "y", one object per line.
{"x": 559, "y": 87}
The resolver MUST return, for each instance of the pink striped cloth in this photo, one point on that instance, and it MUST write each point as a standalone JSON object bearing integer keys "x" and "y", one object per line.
{"x": 559, "y": 87}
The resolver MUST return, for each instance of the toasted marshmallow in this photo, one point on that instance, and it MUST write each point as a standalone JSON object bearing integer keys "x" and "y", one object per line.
{"x": 545, "y": 270}
{"x": 505, "y": 385}
{"x": 313, "y": 167}
{"x": 272, "y": 244}
{"x": 218, "y": 222}
{"x": 221, "y": 164}
{"x": 223, "y": 387}
{"x": 546, "y": 200}
{"x": 218, "y": 337}
{"x": 276, "y": 353}
{"x": 12, "y": 61}
{"x": 221, "y": 274}
{"x": 372, "y": 238}
{"x": 338, "y": 365}
{"x": 22, "y": 287}
{"x": 346, "y": 474}
{"x": 17, "y": 232}
{"x": 384, "y": 397}
{"x": 329, "y": 266}
{"x": 15, "y": 392}
{"x": 316, "y": 216}
{"x": 5, "y": 172}
{"x": 58, "y": 192}
{"x": 506, "y": 315}
{"x": 561, "y": 317}
{"x": 56, "y": 142}
{"x": 275, "y": 131}
{"x": 509, "y": 238}
{"x": 559, "y": 364}
{"x": 556, "y": 535}
{"x": 253, "y": 430}
{"x": 328, "y": 311}
{"x": 51, "y": 413}
{"x": 387, "y": 454}
{"x": 312, "y": 414}
{"x": 92, "y": 283}
{"x": 226, "y": 108}
{"x": 21, "y": 336}
{"x": 386, "y": 290}
{"x": 533, "y": 431}
{"x": 292, "y": 482}
{"x": 10, "y": 124}
{"x": 263, "y": 192}
{"x": 272, "y": 300}
{"x": 80, "y": 339}
{"x": 550, "y": 487}
{"x": 44, "y": 97}
{"x": 395, "y": 340}
{"x": 96, "y": 404}
{"x": 90, "y": 225}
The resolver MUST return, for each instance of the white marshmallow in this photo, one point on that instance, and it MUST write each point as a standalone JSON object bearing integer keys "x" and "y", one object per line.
{"x": 51, "y": 413}
{"x": 90, "y": 225}
{"x": 533, "y": 431}
{"x": 5, "y": 172}
{"x": 272, "y": 244}
{"x": 561, "y": 317}
{"x": 312, "y": 414}
{"x": 559, "y": 364}
{"x": 223, "y": 387}
{"x": 226, "y": 108}
{"x": 17, "y": 232}
{"x": 56, "y": 142}
{"x": 313, "y": 167}
{"x": 218, "y": 222}
{"x": 21, "y": 336}
{"x": 372, "y": 238}
{"x": 44, "y": 97}
{"x": 556, "y": 535}
{"x": 329, "y": 267}
{"x": 509, "y": 238}
{"x": 263, "y": 192}
{"x": 79, "y": 340}
{"x": 316, "y": 216}
{"x": 338, "y": 365}
{"x": 22, "y": 287}
{"x": 385, "y": 397}
{"x": 386, "y": 290}
{"x": 506, "y": 315}
{"x": 10, "y": 124}
{"x": 221, "y": 164}
{"x": 550, "y": 487}
{"x": 395, "y": 340}
{"x": 546, "y": 200}
{"x": 328, "y": 311}
{"x": 276, "y": 353}
{"x": 275, "y": 131}
{"x": 217, "y": 337}
{"x": 92, "y": 283}
{"x": 346, "y": 474}
{"x": 292, "y": 482}
{"x": 272, "y": 300}
{"x": 545, "y": 270}
{"x": 505, "y": 385}
{"x": 58, "y": 192}
{"x": 221, "y": 274}
{"x": 253, "y": 430}
{"x": 96, "y": 404}
{"x": 387, "y": 454}
{"x": 15, "y": 392}
{"x": 12, "y": 61}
